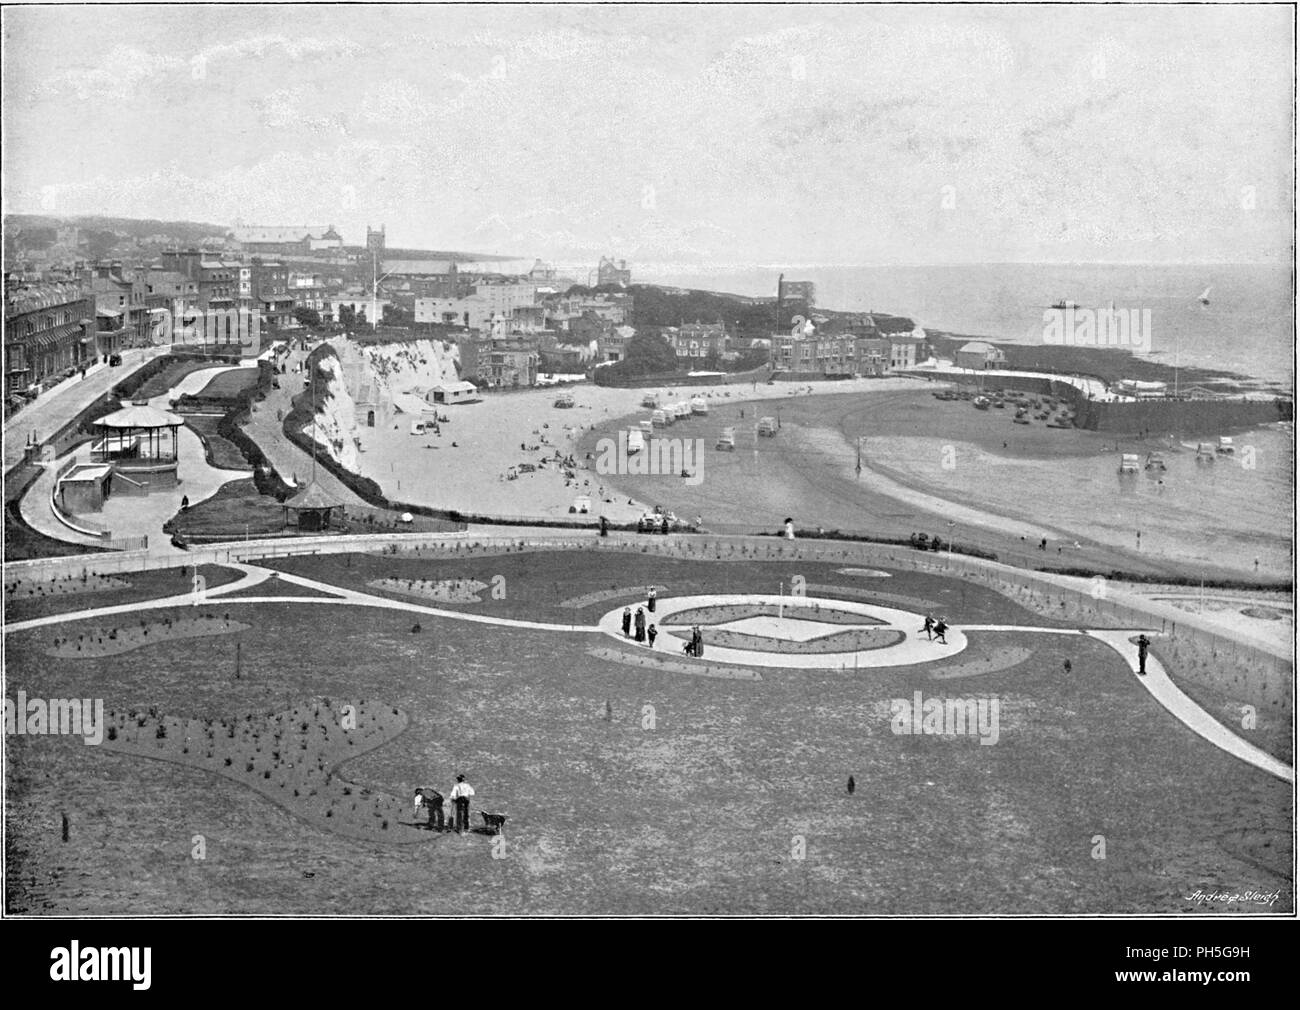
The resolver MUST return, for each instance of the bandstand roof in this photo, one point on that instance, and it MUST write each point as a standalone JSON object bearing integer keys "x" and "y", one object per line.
{"x": 140, "y": 416}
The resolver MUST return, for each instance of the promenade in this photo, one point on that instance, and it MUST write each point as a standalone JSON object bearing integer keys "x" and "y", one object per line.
{"x": 56, "y": 407}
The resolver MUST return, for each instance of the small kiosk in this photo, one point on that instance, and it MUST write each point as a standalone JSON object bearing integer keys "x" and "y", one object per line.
{"x": 312, "y": 508}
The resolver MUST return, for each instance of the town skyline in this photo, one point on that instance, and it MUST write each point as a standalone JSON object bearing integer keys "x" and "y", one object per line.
{"x": 802, "y": 136}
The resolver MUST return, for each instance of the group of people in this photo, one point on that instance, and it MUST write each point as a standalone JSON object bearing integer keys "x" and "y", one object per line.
{"x": 637, "y": 628}
{"x": 935, "y": 630}
{"x": 428, "y": 803}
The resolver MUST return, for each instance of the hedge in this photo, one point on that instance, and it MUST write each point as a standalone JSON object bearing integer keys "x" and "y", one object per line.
{"x": 265, "y": 477}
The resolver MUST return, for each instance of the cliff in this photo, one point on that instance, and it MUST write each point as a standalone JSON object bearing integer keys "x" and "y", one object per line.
{"x": 334, "y": 426}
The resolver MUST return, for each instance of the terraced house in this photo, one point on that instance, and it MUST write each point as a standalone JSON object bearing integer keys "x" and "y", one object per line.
{"x": 49, "y": 331}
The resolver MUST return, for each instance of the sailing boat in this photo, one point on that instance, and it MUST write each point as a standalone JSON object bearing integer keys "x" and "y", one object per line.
{"x": 1205, "y": 297}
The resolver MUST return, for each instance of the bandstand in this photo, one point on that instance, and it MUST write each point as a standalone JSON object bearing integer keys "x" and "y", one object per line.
{"x": 140, "y": 442}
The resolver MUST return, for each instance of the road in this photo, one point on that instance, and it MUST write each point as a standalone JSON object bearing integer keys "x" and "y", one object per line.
{"x": 56, "y": 407}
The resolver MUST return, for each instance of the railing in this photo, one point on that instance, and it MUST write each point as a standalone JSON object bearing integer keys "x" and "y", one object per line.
{"x": 127, "y": 462}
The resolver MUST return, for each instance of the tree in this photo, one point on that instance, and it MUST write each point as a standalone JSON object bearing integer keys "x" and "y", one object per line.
{"x": 307, "y": 317}
{"x": 650, "y": 353}
{"x": 347, "y": 316}
{"x": 394, "y": 315}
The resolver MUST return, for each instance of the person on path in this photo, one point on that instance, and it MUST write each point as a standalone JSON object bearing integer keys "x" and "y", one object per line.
{"x": 650, "y": 599}
{"x": 640, "y": 625}
{"x": 460, "y": 794}
{"x": 651, "y": 634}
{"x": 627, "y": 621}
{"x": 940, "y": 629}
{"x": 1144, "y": 643}
{"x": 928, "y": 628}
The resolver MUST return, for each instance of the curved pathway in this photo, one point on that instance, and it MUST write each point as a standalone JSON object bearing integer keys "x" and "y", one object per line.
{"x": 911, "y": 650}
{"x": 914, "y": 647}
{"x": 1162, "y": 689}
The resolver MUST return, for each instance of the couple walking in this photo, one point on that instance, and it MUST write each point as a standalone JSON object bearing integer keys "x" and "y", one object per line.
{"x": 935, "y": 630}
{"x": 695, "y": 647}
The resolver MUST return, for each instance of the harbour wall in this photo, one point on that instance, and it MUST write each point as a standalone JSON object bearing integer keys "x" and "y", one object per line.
{"x": 1187, "y": 417}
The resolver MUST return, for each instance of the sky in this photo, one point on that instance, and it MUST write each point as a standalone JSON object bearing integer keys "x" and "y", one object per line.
{"x": 714, "y": 135}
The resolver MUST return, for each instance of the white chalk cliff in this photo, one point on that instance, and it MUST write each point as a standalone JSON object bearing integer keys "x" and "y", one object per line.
{"x": 334, "y": 427}
{"x": 368, "y": 382}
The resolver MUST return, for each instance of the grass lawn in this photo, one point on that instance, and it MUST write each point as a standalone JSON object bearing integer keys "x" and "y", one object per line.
{"x": 171, "y": 376}
{"x": 535, "y": 585}
{"x": 1272, "y": 730}
{"x": 238, "y": 509}
{"x": 221, "y": 452}
{"x": 230, "y": 384}
{"x": 237, "y": 504}
{"x": 692, "y": 795}
{"x": 139, "y": 586}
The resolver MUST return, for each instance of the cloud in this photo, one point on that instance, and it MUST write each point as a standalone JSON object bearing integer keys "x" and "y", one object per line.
{"x": 118, "y": 75}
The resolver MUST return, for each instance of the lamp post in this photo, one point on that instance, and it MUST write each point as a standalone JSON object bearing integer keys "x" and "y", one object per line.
{"x": 951, "y": 526}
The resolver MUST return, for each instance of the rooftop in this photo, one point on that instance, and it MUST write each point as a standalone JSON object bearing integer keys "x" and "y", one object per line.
{"x": 282, "y": 233}
{"x": 31, "y": 297}
{"x": 313, "y": 496}
{"x": 139, "y": 415}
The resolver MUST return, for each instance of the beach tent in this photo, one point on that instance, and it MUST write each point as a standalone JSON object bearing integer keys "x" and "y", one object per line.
{"x": 454, "y": 392}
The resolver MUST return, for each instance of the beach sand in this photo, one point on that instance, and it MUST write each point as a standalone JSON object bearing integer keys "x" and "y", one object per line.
{"x": 926, "y": 464}
{"x": 470, "y": 477}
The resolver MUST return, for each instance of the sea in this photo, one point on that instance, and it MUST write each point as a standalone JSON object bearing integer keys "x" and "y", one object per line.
{"x": 1247, "y": 327}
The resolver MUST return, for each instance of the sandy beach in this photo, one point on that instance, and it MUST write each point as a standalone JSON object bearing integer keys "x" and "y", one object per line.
{"x": 465, "y": 467}
{"x": 937, "y": 467}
